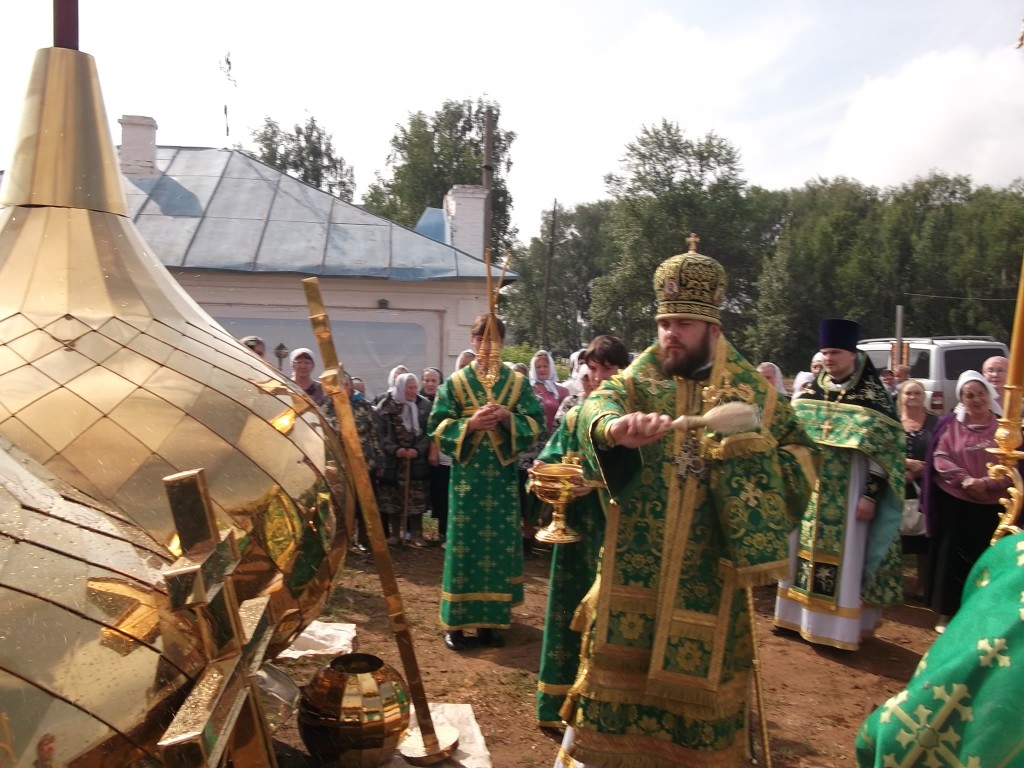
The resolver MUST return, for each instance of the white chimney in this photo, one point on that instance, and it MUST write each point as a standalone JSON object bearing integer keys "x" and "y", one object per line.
{"x": 138, "y": 145}
{"x": 464, "y": 218}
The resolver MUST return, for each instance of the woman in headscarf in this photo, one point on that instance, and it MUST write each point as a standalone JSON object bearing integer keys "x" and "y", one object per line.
{"x": 440, "y": 463}
{"x": 393, "y": 374}
{"x": 544, "y": 380}
{"x": 301, "y": 361}
{"x": 773, "y": 373}
{"x": 403, "y": 415}
{"x": 962, "y": 502}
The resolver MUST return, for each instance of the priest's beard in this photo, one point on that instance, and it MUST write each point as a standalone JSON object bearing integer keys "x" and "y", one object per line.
{"x": 681, "y": 361}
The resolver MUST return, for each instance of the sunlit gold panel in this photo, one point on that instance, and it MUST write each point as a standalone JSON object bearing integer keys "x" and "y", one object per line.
{"x": 174, "y": 387}
{"x": 59, "y": 418}
{"x": 16, "y": 325}
{"x": 104, "y": 389}
{"x": 96, "y": 346}
{"x": 131, "y": 366}
{"x": 150, "y": 419}
{"x": 123, "y": 456}
{"x": 22, "y": 436}
{"x": 63, "y": 113}
{"x": 148, "y": 509}
{"x": 63, "y": 365}
{"x": 83, "y": 620}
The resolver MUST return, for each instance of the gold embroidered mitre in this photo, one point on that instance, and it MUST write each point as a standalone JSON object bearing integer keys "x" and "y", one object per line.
{"x": 690, "y": 285}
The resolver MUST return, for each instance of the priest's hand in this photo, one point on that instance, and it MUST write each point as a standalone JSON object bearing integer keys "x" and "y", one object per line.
{"x": 638, "y": 429}
{"x": 485, "y": 417}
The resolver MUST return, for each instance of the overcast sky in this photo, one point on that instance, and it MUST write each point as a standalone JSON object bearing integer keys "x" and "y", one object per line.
{"x": 878, "y": 91}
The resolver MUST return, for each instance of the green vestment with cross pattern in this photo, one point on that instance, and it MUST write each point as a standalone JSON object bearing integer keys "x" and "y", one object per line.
{"x": 667, "y": 646}
{"x": 483, "y": 559}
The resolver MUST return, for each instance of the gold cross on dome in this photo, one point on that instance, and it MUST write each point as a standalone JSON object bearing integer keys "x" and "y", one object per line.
{"x": 693, "y": 240}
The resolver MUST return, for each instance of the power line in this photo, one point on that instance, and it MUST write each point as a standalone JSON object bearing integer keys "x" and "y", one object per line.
{"x": 959, "y": 298}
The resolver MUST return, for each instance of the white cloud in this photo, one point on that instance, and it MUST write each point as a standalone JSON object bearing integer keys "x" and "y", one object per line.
{"x": 956, "y": 111}
{"x": 931, "y": 83}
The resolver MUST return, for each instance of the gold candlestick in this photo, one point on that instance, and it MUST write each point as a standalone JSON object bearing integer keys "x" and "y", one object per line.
{"x": 1008, "y": 435}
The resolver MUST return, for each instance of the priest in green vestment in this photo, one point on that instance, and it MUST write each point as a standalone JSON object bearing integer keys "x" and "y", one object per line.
{"x": 483, "y": 425}
{"x": 846, "y": 563}
{"x": 573, "y": 566}
{"x": 694, "y": 518}
{"x": 962, "y": 706}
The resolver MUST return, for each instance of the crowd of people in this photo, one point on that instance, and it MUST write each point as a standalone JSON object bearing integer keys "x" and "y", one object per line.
{"x": 648, "y": 646}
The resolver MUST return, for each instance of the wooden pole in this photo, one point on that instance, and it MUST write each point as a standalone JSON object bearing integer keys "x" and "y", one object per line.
{"x": 360, "y": 476}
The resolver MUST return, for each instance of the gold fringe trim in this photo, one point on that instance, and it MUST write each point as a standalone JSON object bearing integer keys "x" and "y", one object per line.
{"x": 619, "y": 751}
{"x": 739, "y": 445}
{"x": 688, "y": 697}
{"x": 816, "y": 639}
{"x": 476, "y": 625}
{"x": 553, "y": 690}
{"x": 484, "y": 597}
{"x": 818, "y": 604}
{"x": 761, "y": 575}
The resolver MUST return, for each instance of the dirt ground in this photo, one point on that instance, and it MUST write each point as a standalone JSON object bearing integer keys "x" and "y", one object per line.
{"x": 815, "y": 697}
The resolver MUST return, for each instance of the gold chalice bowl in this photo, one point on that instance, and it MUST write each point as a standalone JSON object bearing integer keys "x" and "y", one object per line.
{"x": 553, "y": 483}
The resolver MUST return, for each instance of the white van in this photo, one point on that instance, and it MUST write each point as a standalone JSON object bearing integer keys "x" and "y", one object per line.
{"x": 937, "y": 362}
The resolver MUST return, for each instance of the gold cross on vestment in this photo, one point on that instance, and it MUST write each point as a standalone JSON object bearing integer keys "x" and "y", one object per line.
{"x": 826, "y": 428}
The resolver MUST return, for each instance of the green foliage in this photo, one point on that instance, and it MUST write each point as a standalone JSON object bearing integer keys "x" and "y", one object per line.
{"x": 432, "y": 153}
{"x": 307, "y": 153}
{"x": 547, "y": 306}
{"x": 669, "y": 186}
{"x": 948, "y": 252}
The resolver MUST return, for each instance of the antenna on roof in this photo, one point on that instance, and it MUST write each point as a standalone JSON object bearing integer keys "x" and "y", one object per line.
{"x": 225, "y": 67}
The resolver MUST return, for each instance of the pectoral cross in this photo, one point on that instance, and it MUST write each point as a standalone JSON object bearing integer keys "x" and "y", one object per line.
{"x": 688, "y": 461}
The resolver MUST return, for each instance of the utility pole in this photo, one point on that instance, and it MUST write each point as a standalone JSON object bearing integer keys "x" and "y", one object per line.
{"x": 488, "y": 176}
{"x": 547, "y": 279}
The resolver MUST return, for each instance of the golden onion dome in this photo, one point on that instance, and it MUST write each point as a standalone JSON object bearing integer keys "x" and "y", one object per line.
{"x": 112, "y": 378}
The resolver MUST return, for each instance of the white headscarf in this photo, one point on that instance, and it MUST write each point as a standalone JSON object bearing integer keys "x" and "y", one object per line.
{"x": 551, "y": 382}
{"x": 462, "y": 354}
{"x": 780, "y": 385}
{"x": 410, "y": 413}
{"x": 391, "y": 378}
{"x": 300, "y": 351}
{"x": 993, "y": 404}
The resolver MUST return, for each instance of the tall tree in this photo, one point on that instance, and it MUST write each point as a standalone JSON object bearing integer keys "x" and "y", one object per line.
{"x": 308, "y": 154}
{"x": 771, "y": 337}
{"x": 670, "y": 185}
{"x": 430, "y": 154}
{"x": 555, "y": 276}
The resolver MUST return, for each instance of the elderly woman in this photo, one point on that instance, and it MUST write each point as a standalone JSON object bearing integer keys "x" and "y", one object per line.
{"x": 918, "y": 425}
{"x": 301, "y": 361}
{"x": 402, "y": 416}
{"x": 962, "y": 501}
{"x": 773, "y": 373}
{"x": 440, "y": 463}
